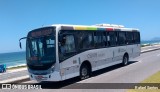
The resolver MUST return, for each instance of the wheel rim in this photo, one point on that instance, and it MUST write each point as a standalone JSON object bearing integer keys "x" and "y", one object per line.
{"x": 125, "y": 60}
{"x": 84, "y": 71}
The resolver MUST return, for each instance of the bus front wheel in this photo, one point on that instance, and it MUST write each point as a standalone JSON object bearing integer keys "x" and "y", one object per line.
{"x": 84, "y": 72}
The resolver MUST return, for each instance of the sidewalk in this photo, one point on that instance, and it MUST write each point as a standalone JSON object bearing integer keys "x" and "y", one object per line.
{"x": 13, "y": 75}
{"x": 16, "y": 70}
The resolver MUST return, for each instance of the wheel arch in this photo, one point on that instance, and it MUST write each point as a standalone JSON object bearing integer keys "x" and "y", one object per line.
{"x": 124, "y": 62}
{"x": 86, "y": 62}
{"x": 126, "y": 54}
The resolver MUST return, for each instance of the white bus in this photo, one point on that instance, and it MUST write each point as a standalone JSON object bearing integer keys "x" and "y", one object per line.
{"x": 59, "y": 52}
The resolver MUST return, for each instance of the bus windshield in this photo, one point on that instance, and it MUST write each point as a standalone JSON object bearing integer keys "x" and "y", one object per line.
{"x": 41, "y": 52}
{"x": 42, "y": 48}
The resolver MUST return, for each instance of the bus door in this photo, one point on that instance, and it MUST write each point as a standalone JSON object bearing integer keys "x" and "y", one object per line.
{"x": 68, "y": 56}
{"x": 112, "y": 45}
{"x": 121, "y": 46}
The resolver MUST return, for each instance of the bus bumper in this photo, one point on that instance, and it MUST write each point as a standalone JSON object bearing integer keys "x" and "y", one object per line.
{"x": 55, "y": 76}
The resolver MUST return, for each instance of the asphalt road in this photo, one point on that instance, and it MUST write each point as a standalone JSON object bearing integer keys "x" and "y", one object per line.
{"x": 138, "y": 69}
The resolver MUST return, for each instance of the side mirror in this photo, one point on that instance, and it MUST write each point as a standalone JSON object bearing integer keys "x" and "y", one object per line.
{"x": 20, "y": 45}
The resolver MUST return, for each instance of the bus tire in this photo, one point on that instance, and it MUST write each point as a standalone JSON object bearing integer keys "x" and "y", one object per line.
{"x": 84, "y": 72}
{"x": 125, "y": 60}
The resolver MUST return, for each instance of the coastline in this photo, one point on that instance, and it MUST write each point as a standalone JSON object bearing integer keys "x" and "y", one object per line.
{"x": 150, "y": 44}
{"x": 17, "y": 67}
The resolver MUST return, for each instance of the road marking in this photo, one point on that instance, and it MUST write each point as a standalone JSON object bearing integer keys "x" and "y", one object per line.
{"x": 158, "y": 55}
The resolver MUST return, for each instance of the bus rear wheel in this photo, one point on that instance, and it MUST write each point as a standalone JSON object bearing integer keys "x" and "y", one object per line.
{"x": 84, "y": 72}
{"x": 125, "y": 60}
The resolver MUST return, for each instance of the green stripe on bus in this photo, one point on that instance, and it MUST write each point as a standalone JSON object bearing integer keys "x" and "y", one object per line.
{"x": 92, "y": 28}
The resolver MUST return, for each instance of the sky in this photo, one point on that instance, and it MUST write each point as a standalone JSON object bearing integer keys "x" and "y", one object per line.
{"x": 18, "y": 17}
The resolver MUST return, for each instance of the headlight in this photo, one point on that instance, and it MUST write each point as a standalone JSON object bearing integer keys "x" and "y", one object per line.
{"x": 53, "y": 68}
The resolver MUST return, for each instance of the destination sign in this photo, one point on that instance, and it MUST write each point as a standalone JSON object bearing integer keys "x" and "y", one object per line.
{"x": 41, "y": 33}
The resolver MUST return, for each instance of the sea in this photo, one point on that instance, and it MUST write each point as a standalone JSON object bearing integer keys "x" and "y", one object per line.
{"x": 151, "y": 42}
{"x": 15, "y": 59}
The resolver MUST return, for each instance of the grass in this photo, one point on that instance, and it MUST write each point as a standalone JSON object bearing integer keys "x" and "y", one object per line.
{"x": 155, "y": 78}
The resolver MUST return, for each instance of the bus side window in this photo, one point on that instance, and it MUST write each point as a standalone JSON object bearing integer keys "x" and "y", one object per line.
{"x": 69, "y": 44}
{"x": 122, "y": 38}
{"x": 136, "y": 37}
{"x": 129, "y": 37}
{"x": 111, "y": 38}
{"x": 90, "y": 40}
{"x": 104, "y": 39}
{"x": 97, "y": 39}
{"x": 108, "y": 40}
{"x": 85, "y": 40}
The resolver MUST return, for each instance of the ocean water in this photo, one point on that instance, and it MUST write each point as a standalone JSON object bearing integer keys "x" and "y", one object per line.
{"x": 19, "y": 58}
{"x": 13, "y": 59}
{"x": 150, "y": 42}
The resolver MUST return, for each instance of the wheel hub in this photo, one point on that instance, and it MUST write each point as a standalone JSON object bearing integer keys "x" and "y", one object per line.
{"x": 84, "y": 72}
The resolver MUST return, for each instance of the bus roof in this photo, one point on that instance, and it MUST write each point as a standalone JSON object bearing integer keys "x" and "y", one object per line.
{"x": 97, "y": 27}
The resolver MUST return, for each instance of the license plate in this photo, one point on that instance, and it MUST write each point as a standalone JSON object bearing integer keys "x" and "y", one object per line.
{"x": 40, "y": 77}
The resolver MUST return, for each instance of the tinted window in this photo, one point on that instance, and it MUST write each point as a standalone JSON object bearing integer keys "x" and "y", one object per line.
{"x": 136, "y": 37}
{"x": 111, "y": 37}
{"x": 104, "y": 39}
{"x": 41, "y": 52}
{"x": 129, "y": 37}
{"x": 42, "y": 47}
{"x": 97, "y": 39}
{"x": 69, "y": 45}
{"x": 85, "y": 40}
{"x": 122, "y": 38}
